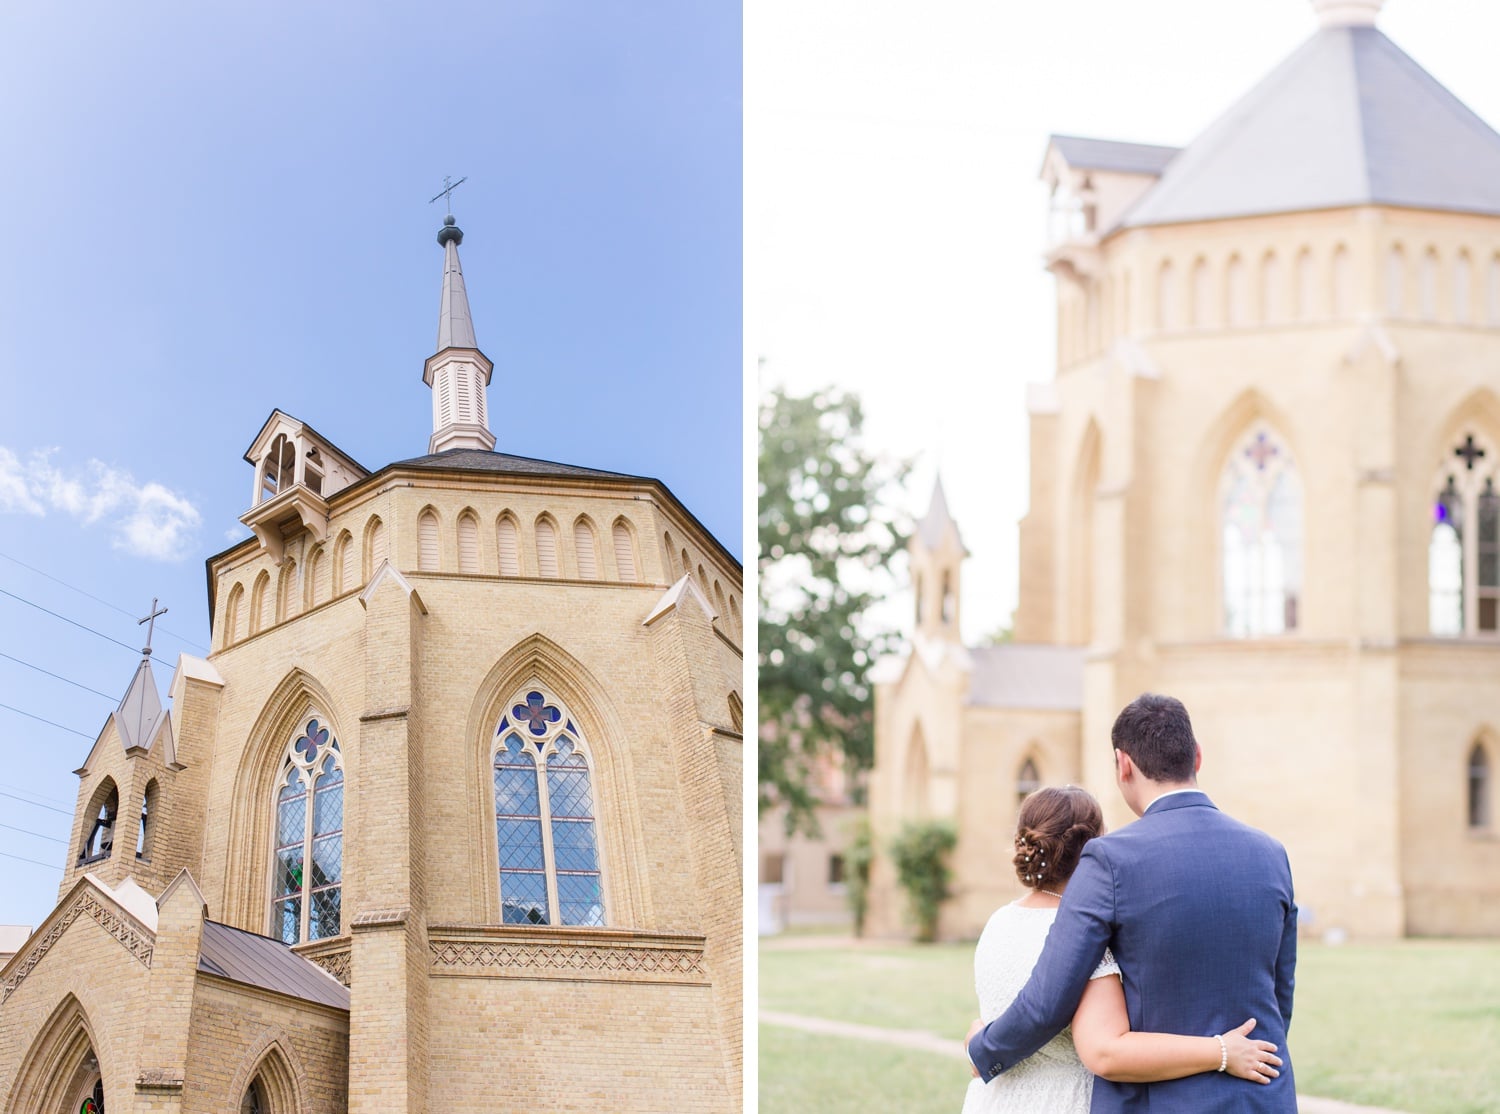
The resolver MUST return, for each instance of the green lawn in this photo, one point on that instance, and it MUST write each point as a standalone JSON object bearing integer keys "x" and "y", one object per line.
{"x": 1414, "y": 1026}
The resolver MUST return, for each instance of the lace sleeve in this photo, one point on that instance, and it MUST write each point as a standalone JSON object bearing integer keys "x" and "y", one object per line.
{"x": 1107, "y": 966}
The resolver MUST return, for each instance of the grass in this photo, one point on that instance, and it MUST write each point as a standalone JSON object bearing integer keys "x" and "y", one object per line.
{"x": 1413, "y": 1026}
{"x": 833, "y": 1074}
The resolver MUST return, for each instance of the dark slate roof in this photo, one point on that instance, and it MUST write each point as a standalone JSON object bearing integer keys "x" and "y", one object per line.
{"x": 1112, "y": 154}
{"x": 478, "y": 460}
{"x": 1348, "y": 119}
{"x": 260, "y": 961}
{"x": 1047, "y": 678}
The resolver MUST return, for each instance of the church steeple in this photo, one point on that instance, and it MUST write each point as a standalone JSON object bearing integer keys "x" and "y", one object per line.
{"x": 458, "y": 372}
{"x": 937, "y": 553}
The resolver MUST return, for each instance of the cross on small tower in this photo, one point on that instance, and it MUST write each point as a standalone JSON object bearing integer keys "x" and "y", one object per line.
{"x": 449, "y": 185}
{"x": 151, "y": 628}
{"x": 1469, "y": 451}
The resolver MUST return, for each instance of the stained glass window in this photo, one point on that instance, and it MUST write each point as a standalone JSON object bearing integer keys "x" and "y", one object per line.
{"x": 251, "y": 1103}
{"x": 1463, "y": 551}
{"x": 308, "y": 873}
{"x": 545, "y": 827}
{"x": 1479, "y": 788}
{"x": 94, "y": 1103}
{"x": 1261, "y": 530}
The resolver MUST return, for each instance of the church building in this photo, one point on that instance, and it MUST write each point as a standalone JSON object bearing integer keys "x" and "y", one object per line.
{"x": 1262, "y": 480}
{"x": 449, "y": 817}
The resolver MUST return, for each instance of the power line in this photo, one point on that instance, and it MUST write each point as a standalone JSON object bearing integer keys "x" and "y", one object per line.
{"x": 37, "y": 804}
{"x": 34, "y": 793}
{"x": 80, "y": 626}
{"x": 96, "y": 599}
{"x": 58, "y": 676}
{"x": 34, "y": 862}
{"x": 48, "y": 722}
{"x": 27, "y": 831}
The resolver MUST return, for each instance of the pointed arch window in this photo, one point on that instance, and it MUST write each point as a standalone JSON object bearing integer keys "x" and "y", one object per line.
{"x": 510, "y": 547}
{"x": 280, "y": 468}
{"x": 93, "y": 1102}
{"x": 1028, "y": 781}
{"x": 309, "y": 866}
{"x": 148, "y": 822}
{"x": 546, "y": 547}
{"x": 585, "y": 551}
{"x": 468, "y": 543}
{"x": 1479, "y": 788}
{"x": 105, "y": 810}
{"x": 1463, "y": 550}
{"x": 427, "y": 542}
{"x": 1261, "y": 533}
{"x": 544, "y": 815}
{"x": 251, "y": 1103}
{"x": 624, "y": 552}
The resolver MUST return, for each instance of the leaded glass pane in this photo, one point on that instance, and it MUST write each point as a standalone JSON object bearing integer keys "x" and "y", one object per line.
{"x": 1261, "y": 519}
{"x": 289, "y": 870}
{"x": 323, "y": 920}
{"x": 287, "y": 915}
{"x": 520, "y": 843}
{"x": 568, "y": 786}
{"x": 579, "y": 899}
{"x": 1445, "y": 579}
{"x": 523, "y": 897}
{"x": 328, "y": 808}
{"x": 328, "y": 860}
{"x": 573, "y": 844}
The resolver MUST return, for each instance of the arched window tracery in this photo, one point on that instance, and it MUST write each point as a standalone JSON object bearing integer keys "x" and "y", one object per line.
{"x": 545, "y": 825}
{"x": 307, "y": 884}
{"x": 1261, "y": 536}
{"x": 1463, "y": 551}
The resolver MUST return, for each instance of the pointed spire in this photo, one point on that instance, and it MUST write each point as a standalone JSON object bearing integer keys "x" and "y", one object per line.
{"x": 458, "y": 372}
{"x": 937, "y": 521}
{"x": 140, "y": 712}
{"x": 455, "y": 325}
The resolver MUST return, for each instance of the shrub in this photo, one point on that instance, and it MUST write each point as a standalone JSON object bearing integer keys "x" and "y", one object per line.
{"x": 921, "y": 856}
{"x": 857, "y": 858}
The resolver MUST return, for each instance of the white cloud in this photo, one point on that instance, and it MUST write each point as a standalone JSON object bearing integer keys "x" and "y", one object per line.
{"x": 147, "y": 520}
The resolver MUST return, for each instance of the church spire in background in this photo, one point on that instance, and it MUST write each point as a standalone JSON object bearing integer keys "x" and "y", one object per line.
{"x": 458, "y": 372}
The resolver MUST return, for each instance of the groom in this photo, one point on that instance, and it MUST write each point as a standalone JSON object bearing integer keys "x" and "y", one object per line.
{"x": 1198, "y": 910}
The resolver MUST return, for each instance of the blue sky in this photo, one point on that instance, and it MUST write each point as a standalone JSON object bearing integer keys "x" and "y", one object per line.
{"x": 211, "y": 210}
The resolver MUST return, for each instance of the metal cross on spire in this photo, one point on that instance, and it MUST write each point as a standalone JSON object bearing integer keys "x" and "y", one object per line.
{"x": 449, "y": 185}
{"x": 150, "y": 630}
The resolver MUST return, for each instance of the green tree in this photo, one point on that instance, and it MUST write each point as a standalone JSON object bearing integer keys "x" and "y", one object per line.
{"x": 921, "y": 853}
{"x": 827, "y": 534}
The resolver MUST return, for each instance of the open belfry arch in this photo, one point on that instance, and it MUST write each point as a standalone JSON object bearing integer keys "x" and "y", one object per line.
{"x": 461, "y": 773}
{"x": 1265, "y": 478}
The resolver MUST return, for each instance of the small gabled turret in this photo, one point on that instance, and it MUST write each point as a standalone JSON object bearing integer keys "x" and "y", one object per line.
{"x": 937, "y": 555}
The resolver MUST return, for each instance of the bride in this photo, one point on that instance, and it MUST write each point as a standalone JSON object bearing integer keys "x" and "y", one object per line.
{"x": 1053, "y": 826}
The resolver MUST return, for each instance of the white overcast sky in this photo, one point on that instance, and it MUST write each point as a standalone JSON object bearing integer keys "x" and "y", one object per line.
{"x": 895, "y": 221}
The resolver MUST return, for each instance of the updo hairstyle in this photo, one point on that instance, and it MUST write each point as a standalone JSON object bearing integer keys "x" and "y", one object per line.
{"x": 1053, "y": 826}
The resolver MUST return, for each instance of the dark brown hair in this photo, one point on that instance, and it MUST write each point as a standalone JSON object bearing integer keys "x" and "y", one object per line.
{"x": 1053, "y": 826}
{"x": 1157, "y": 734}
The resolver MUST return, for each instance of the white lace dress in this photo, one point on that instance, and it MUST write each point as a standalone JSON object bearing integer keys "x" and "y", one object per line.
{"x": 1052, "y": 1080}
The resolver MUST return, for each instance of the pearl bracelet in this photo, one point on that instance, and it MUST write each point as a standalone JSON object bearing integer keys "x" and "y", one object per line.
{"x": 1223, "y": 1053}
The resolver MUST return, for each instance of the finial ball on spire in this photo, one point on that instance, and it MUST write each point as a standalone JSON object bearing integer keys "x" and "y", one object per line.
{"x": 449, "y": 231}
{"x": 450, "y": 219}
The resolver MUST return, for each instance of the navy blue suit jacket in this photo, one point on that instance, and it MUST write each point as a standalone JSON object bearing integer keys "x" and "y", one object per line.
{"x": 1198, "y": 910}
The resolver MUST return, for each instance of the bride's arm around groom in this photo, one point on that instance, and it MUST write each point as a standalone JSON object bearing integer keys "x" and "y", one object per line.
{"x": 1198, "y": 911}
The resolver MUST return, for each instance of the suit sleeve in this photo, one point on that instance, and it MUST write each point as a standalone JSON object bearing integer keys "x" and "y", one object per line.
{"x": 1050, "y": 997}
{"x": 1286, "y": 958}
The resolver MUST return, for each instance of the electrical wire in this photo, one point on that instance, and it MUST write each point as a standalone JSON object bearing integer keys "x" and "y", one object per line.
{"x": 38, "y": 804}
{"x": 34, "y": 862}
{"x": 48, "y": 722}
{"x": 34, "y": 793}
{"x": 80, "y": 626}
{"x": 28, "y": 831}
{"x": 57, "y": 676}
{"x": 96, "y": 599}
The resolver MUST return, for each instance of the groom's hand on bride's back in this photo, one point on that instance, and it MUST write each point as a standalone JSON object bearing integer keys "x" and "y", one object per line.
{"x": 977, "y": 1025}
